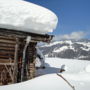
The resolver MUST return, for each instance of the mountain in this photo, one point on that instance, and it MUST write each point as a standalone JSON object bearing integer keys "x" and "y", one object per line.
{"x": 71, "y": 49}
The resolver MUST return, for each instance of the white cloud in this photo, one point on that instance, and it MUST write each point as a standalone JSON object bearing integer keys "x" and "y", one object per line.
{"x": 73, "y": 35}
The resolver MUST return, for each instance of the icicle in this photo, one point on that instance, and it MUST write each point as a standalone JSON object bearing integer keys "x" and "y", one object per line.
{"x": 28, "y": 39}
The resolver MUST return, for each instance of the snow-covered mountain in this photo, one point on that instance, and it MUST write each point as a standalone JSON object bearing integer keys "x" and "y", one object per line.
{"x": 70, "y": 49}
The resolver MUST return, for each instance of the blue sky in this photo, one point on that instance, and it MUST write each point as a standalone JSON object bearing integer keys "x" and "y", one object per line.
{"x": 73, "y": 15}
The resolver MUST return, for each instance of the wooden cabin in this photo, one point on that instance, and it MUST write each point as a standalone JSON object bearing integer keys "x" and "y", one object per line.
{"x": 17, "y": 64}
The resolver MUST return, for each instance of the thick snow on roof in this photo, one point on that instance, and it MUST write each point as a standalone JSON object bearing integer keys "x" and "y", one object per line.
{"x": 25, "y": 16}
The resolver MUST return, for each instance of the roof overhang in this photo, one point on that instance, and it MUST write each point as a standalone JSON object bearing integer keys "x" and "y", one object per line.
{"x": 21, "y": 34}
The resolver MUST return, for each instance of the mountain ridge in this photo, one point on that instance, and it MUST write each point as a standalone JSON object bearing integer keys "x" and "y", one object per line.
{"x": 70, "y": 49}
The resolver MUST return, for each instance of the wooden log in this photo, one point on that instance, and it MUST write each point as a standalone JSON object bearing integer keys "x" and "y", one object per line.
{"x": 6, "y": 57}
{"x": 32, "y": 70}
{"x": 7, "y": 45}
{"x": 15, "y": 71}
{"x": 7, "y": 41}
{"x": 7, "y": 48}
{"x": 21, "y": 34}
{"x": 5, "y": 60}
{"x": 9, "y": 64}
{"x": 31, "y": 55}
{"x": 9, "y": 38}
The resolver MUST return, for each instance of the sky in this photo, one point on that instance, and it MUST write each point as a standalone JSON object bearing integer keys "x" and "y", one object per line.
{"x": 73, "y": 17}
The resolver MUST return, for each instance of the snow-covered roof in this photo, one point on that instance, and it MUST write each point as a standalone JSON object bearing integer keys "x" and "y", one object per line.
{"x": 26, "y": 16}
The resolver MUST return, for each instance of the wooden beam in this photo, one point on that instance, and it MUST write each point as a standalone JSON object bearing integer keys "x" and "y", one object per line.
{"x": 15, "y": 71}
{"x": 21, "y": 34}
{"x": 7, "y": 41}
{"x": 9, "y": 64}
{"x": 5, "y": 60}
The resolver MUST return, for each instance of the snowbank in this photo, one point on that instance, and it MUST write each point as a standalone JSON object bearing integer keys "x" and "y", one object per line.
{"x": 76, "y": 72}
{"x": 88, "y": 68}
{"x": 72, "y": 65}
{"x": 47, "y": 82}
{"x": 53, "y": 82}
{"x": 25, "y": 16}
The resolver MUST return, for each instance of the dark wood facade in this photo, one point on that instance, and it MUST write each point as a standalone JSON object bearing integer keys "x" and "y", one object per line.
{"x": 12, "y": 44}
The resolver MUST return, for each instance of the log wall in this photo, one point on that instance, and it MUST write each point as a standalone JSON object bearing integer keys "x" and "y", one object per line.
{"x": 10, "y": 68}
{"x": 12, "y": 43}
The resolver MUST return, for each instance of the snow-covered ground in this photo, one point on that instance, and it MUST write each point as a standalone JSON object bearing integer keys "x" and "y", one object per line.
{"x": 77, "y": 74}
{"x": 53, "y": 65}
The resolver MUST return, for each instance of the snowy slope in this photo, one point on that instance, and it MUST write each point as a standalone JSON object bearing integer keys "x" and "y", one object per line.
{"x": 77, "y": 72}
{"x": 76, "y": 75}
{"x": 50, "y": 82}
{"x": 25, "y": 16}
{"x": 47, "y": 82}
{"x": 53, "y": 65}
{"x": 70, "y": 49}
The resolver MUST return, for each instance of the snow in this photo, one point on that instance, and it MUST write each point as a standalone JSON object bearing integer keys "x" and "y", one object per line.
{"x": 26, "y": 16}
{"x": 76, "y": 71}
{"x": 85, "y": 43}
{"x": 73, "y": 66}
{"x": 82, "y": 56}
{"x": 60, "y": 49}
{"x": 86, "y": 49}
{"x": 58, "y": 42}
{"x": 28, "y": 39}
{"x": 37, "y": 62}
{"x": 88, "y": 68}
{"x": 68, "y": 41}
{"x": 64, "y": 67}
{"x": 63, "y": 48}
{"x": 39, "y": 52}
{"x": 51, "y": 44}
{"x": 76, "y": 74}
{"x": 47, "y": 82}
{"x": 40, "y": 60}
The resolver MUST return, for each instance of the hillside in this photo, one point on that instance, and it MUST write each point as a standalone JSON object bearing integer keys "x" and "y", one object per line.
{"x": 70, "y": 49}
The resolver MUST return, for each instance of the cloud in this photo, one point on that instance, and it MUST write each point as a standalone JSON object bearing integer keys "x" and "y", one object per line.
{"x": 73, "y": 36}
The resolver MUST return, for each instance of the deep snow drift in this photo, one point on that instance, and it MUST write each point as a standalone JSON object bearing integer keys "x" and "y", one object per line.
{"x": 72, "y": 66}
{"x": 25, "y": 16}
{"x": 75, "y": 73}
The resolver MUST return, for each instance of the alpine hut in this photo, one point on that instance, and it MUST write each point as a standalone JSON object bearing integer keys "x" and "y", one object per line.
{"x": 22, "y": 26}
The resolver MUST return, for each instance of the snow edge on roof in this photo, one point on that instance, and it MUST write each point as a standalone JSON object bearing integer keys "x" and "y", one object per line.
{"x": 26, "y": 16}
